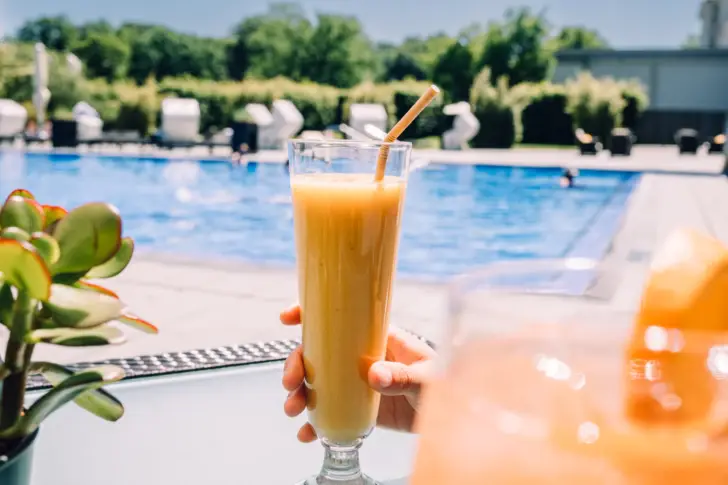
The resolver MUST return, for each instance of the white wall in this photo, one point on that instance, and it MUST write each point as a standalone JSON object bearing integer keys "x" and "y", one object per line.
{"x": 699, "y": 84}
{"x": 673, "y": 83}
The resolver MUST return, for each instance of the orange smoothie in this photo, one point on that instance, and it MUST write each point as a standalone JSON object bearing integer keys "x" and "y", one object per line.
{"x": 346, "y": 231}
{"x": 535, "y": 419}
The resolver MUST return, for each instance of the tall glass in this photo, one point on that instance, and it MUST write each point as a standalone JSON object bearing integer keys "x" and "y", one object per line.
{"x": 347, "y": 229}
{"x": 537, "y": 388}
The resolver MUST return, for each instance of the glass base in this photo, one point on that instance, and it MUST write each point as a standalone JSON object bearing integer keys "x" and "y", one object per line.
{"x": 360, "y": 480}
{"x": 341, "y": 466}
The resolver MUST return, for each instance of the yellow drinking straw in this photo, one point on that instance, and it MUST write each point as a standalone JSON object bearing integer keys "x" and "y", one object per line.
{"x": 401, "y": 125}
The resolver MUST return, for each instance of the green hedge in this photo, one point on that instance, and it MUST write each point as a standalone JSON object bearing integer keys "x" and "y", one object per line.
{"x": 595, "y": 105}
{"x": 220, "y": 101}
{"x": 494, "y": 109}
{"x": 544, "y": 117}
{"x": 542, "y": 113}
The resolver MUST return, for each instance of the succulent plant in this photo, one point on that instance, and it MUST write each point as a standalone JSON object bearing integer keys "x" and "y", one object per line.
{"x": 47, "y": 256}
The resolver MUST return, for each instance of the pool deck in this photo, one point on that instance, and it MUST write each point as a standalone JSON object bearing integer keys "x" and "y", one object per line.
{"x": 200, "y": 304}
{"x": 644, "y": 158}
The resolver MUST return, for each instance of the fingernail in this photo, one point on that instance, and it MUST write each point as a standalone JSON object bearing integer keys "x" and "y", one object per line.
{"x": 385, "y": 376}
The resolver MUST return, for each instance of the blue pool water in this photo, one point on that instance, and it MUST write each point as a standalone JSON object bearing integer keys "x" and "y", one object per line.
{"x": 456, "y": 217}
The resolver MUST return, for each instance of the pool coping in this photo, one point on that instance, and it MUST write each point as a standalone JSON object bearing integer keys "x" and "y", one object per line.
{"x": 581, "y": 162}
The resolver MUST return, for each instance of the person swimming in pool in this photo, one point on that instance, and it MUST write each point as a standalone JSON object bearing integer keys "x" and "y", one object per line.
{"x": 567, "y": 178}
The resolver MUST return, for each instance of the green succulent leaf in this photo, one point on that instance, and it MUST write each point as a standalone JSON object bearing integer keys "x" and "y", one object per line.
{"x": 68, "y": 390}
{"x": 85, "y": 285}
{"x": 88, "y": 236}
{"x": 14, "y": 233}
{"x": 22, "y": 267}
{"x": 81, "y": 308}
{"x": 24, "y": 213}
{"x": 137, "y": 323}
{"x": 96, "y": 401}
{"x": 68, "y": 278}
{"x": 46, "y": 246}
{"x": 22, "y": 193}
{"x": 53, "y": 214}
{"x": 6, "y": 304}
{"x": 117, "y": 263}
{"x": 72, "y": 337}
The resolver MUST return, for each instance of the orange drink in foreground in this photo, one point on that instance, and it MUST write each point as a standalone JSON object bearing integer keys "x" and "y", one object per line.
{"x": 346, "y": 226}
{"x": 542, "y": 389}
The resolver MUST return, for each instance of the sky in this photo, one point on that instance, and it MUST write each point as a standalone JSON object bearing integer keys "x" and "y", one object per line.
{"x": 624, "y": 23}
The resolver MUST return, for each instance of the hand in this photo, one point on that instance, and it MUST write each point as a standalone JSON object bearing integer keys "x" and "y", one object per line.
{"x": 399, "y": 378}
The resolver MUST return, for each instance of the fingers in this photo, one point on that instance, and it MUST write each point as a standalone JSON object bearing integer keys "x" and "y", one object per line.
{"x": 295, "y": 402}
{"x": 396, "y": 379}
{"x": 307, "y": 434}
{"x": 293, "y": 371}
{"x": 404, "y": 347}
{"x": 291, "y": 316}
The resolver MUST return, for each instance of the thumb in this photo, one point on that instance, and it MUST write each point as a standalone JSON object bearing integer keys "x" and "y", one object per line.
{"x": 396, "y": 379}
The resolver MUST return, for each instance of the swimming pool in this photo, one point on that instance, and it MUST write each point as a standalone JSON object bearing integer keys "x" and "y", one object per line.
{"x": 456, "y": 216}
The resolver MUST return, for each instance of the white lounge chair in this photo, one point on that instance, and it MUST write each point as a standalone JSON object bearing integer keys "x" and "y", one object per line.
{"x": 261, "y": 116}
{"x": 89, "y": 125}
{"x": 180, "y": 120}
{"x": 13, "y": 117}
{"x": 287, "y": 121}
{"x": 361, "y": 115}
{"x": 464, "y": 127}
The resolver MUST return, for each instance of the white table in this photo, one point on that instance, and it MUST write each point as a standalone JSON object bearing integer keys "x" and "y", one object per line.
{"x": 216, "y": 427}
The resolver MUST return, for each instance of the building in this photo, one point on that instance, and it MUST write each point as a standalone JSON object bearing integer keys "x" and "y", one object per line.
{"x": 688, "y": 88}
{"x": 714, "y": 19}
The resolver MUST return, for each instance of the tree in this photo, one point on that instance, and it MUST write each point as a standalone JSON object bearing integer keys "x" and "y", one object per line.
{"x": 497, "y": 53}
{"x": 104, "y": 55}
{"x": 95, "y": 27}
{"x": 57, "y": 33}
{"x": 453, "y": 72}
{"x": 158, "y": 52}
{"x": 427, "y": 51}
{"x": 337, "y": 52}
{"x": 403, "y": 66}
{"x": 579, "y": 38}
{"x": 271, "y": 44}
{"x": 518, "y": 48}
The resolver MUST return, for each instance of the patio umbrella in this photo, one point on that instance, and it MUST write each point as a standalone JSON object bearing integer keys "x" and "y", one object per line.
{"x": 74, "y": 64}
{"x": 41, "y": 94}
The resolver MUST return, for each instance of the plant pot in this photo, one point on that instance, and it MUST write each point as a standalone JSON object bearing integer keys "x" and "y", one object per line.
{"x": 16, "y": 470}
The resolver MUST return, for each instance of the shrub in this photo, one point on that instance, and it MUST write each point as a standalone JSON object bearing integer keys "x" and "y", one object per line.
{"x": 595, "y": 105}
{"x": 636, "y": 101}
{"x": 543, "y": 115}
{"x": 493, "y": 107}
{"x": 431, "y": 122}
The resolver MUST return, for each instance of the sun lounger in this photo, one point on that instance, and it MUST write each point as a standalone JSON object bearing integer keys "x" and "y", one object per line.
{"x": 717, "y": 144}
{"x": 353, "y": 134}
{"x": 361, "y": 115}
{"x": 621, "y": 142}
{"x": 180, "y": 123}
{"x": 687, "y": 141}
{"x": 12, "y": 120}
{"x": 464, "y": 126}
{"x": 588, "y": 144}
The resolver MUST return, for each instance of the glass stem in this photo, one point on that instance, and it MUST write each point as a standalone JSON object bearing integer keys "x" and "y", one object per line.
{"x": 341, "y": 461}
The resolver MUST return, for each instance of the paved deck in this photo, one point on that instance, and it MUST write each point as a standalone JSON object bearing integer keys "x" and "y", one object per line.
{"x": 200, "y": 304}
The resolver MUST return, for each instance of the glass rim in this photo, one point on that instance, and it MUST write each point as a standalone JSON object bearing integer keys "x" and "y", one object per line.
{"x": 460, "y": 283}
{"x": 396, "y": 145}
